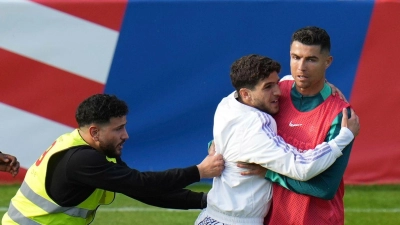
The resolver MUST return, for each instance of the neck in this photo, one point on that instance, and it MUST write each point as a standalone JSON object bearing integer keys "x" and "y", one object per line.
{"x": 238, "y": 98}
{"x": 311, "y": 90}
{"x": 86, "y": 137}
{"x": 243, "y": 102}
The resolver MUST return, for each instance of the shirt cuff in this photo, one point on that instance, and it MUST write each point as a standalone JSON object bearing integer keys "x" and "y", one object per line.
{"x": 344, "y": 138}
{"x": 341, "y": 141}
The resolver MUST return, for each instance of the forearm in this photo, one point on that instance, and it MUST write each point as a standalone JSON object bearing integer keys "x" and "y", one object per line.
{"x": 264, "y": 147}
{"x": 172, "y": 179}
{"x": 308, "y": 163}
{"x": 122, "y": 179}
{"x": 316, "y": 187}
{"x": 323, "y": 186}
{"x": 166, "y": 180}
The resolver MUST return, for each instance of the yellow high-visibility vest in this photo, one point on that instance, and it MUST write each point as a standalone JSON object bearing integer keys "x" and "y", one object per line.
{"x": 32, "y": 206}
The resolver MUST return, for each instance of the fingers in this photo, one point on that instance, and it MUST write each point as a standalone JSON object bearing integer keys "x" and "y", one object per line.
{"x": 211, "y": 149}
{"x": 336, "y": 91}
{"x": 353, "y": 115}
{"x": 353, "y": 123}
{"x": 344, "y": 118}
{"x": 14, "y": 172}
{"x": 219, "y": 161}
{"x": 250, "y": 169}
{"x": 344, "y": 98}
{"x": 15, "y": 168}
{"x": 4, "y": 158}
{"x": 218, "y": 164}
{"x": 245, "y": 165}
{"x": 341, "y": 95}
{"x": 210, "y": 166}
{"x": 13, "y": 161}
{"x": 245, "y": 173}
{"x": 9, "y": 164}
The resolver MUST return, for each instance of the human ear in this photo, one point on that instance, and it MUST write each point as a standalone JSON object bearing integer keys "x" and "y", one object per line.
{"x": 328, "y": 62}
{"x": 94, "y": 133}
{"x": 245, "y": 94}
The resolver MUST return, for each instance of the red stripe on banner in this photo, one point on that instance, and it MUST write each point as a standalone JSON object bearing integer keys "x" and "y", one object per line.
{"x": 108, "y": 13}
{"x": 376, "y": 153}
{"x": 42, "y": 89}
{"x": 6, "y": 178}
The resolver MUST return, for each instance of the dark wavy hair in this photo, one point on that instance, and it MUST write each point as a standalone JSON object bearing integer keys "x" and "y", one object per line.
{"x": 312, "y": 35}
{"x": 247, "y": 71}
{"x": 99, "y": 109}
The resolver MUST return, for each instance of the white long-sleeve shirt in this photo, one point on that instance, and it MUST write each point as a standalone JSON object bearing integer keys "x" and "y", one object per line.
{"x": 246, "y": 134}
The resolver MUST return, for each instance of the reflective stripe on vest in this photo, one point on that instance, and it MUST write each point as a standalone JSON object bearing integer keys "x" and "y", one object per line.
{"x": 17, "y": 216}
{"x": 47, "y": 205}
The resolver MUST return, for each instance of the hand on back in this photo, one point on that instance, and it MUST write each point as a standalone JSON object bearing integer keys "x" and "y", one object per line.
{"x": 352, "y": 123}
{"x": 212, "y": 165}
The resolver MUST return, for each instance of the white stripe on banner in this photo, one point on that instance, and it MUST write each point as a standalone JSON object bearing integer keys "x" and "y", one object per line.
{"x": 27, "y": 135}
{"x": 57, "y": 38}
{"x": 143, "y": 209}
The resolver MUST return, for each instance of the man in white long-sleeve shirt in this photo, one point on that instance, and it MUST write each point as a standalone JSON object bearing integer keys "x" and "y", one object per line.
{"x": 244, "y": 131}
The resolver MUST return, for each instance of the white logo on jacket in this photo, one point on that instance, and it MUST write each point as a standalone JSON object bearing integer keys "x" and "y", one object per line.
{"x": 294, "y": 124}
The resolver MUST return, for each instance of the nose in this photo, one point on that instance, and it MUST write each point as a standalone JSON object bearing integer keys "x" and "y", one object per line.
{"x": 301, "y": 65}
{"x": 125, "y": 136}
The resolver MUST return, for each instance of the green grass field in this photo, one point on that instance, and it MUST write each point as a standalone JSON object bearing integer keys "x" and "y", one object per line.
{"x": 364, "y": 205}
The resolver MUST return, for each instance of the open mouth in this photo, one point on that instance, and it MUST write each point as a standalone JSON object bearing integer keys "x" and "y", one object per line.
{"x": 302, "y": 77}
{"x": 121, "y": 145}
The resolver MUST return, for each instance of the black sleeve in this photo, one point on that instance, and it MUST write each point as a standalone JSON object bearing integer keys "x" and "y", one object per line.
{"x": 90, "y": 167}
{"x": 177, "y": 199}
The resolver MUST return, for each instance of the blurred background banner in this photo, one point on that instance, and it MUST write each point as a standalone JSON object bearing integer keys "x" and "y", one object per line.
{"x": 170, "y": 60}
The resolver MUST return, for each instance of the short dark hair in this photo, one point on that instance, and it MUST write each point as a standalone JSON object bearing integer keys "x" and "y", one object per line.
{"x": 312, "y": 35}
{"x": 100, "y": 108}
{"x": 247, "y": 71}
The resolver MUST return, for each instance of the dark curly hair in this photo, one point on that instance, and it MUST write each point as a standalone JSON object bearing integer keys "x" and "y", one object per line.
{"x": 312, "y": 35}
{"x": 247, "y": 71}
{"x": 100, "y": 108}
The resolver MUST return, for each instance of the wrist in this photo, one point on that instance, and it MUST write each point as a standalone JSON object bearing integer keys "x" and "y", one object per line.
{"x": 200, "y": 171}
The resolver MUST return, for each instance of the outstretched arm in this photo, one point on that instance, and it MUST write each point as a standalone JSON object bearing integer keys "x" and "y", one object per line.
{"x": 89, "y": 167}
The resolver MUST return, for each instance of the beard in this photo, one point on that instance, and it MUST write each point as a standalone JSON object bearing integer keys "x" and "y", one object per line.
{"x": 109, "y": 149}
